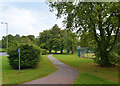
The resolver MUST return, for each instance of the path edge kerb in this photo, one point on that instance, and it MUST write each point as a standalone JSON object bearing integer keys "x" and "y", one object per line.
{"x": 71, "y": 67}
{"x": 44, "y": 76}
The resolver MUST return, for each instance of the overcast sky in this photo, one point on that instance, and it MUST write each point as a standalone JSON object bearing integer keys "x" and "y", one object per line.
{"x": 26, "y": 18}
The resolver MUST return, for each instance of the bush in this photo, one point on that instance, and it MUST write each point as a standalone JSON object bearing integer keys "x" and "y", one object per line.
{"x": 29, "y": 56}
{"x": 43, "y": 51}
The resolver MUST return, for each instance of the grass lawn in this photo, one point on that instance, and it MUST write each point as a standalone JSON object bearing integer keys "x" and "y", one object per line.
{"x": 90, "y": 73}
{"x": 11, "y": 76}
{"x": 2, "y": 50}
{"x": 0, "y": 71}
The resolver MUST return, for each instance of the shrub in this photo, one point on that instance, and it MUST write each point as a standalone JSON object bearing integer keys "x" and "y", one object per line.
{"x": 29, "y": 56}
{"x": 43, "y": 51}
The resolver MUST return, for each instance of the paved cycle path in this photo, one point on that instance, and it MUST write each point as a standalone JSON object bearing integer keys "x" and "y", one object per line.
{"x": 64, "y": 75}
{"x": 3, "y": 54}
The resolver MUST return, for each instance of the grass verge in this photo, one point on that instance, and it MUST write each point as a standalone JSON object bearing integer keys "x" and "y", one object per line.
{"x": 2, "y": 50}
{"x": 11, "y": 76}
{"x": 90, "y": 73}
{"x": 0, "y": 71}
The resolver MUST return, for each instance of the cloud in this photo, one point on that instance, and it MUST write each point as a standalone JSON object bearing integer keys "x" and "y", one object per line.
{"x": 27, "y": 21}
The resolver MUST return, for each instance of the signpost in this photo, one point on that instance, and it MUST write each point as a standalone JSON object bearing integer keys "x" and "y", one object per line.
{"x": 19, "y": 59}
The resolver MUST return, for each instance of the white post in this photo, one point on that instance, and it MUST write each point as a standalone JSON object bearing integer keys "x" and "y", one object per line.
{"x": 7, "y": 34}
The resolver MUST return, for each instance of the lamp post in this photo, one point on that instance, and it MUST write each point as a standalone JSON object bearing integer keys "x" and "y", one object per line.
{"x": 6, "y": 33}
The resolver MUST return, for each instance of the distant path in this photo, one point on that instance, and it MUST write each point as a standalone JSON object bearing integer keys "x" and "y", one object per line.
{"x": 64, "y": 75}
{"x": 3, "y": 54}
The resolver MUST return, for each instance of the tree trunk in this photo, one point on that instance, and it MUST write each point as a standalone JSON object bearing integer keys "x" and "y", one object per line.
{"x": 49, "y": 51}
{"x": 55, "y": 51}
{"x": 105, "y": 62}
{"x": 119, "y": 53}
{"x": 72, "y": 51}
{"x": 68, "y": 51}
{"x": 61, "y": 51}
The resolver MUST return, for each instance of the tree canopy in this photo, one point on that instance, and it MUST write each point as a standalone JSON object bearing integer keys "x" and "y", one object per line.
{"x": 17, "y": 39}
{"x": 57, "y": 39}
{"x": 100, "y": 19}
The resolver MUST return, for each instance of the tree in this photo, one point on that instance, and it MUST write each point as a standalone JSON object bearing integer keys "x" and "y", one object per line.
{"x": 70, "y": 41}
{"x": 25, "y": 39}
{"x": 45, "y": 40}
{"x": 31, "y": 37}
{"x": 116, "y": 49}
{"x": 4, "y": 43}
{"x": 101, "y": 20}
{"x": 56, "y": 44}
{"x": 14, "y": 40}
{"x": 51, "y": 39}
{"x": 62, "y": 33}
{"x": 86, "y": 41}
{"x": 11, "y": 40}
{"x": 57, "y": 38}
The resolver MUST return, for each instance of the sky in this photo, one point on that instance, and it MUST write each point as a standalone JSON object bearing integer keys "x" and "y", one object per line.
{"x": 26, "y": 18}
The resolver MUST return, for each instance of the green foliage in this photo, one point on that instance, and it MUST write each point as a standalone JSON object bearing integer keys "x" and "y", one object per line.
{"x": 57, "y": 40}
{"x": 50, "y": 39}
{"x": 43, "y": 51}
{"x": 12, "y": 48}
{"x": 56, "y": 44}
{"x": 70, "y": 41}
{"x": 87, "y": 41}
{"x": 100, "y": 20}
{"x": 17, "y": 39}
{"x": 31, "y": 37}
{"x": 25, "y": 39}
{"x": 29, "y": 56}
{"x": 45, "y": 40}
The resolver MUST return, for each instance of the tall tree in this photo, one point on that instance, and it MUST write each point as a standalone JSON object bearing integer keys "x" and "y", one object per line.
{"x": 99, "y": 19}
{"x": 70, "y": 41}
{"x": 51, "y": 39}
{"x": 57, "y": 38}
{"x": 31, "y": 37}
{"x": 62, "y": 33}
{"x": 87, "y": 41}
{"x": 45, "y": 40}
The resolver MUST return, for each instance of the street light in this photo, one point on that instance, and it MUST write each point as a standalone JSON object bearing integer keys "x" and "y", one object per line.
{"x": 6, "y": 33}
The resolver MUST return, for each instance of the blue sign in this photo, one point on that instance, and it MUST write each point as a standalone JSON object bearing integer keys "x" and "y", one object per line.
{"x": 19, "y": 59}
{"x": 19, "y": 50}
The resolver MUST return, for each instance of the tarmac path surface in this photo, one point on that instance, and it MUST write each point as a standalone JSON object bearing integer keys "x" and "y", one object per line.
{"x": 64, "y": 75}
{"x": 3, "y": 54}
